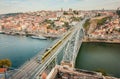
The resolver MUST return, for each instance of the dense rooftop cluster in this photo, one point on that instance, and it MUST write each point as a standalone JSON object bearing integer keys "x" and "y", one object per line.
{"x": 40, "y": 22}
{"x": 111, "y": 28}
{"x": 105, "y": 28}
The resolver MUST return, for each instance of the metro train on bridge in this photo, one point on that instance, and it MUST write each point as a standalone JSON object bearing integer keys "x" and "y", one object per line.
{"x": 47, "y": 54}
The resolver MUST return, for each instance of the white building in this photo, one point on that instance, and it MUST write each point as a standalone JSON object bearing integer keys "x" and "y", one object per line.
{"x": 59, "y": 14}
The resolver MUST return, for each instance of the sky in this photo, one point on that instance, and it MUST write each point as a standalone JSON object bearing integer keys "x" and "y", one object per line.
{"x": 13, "y": 6}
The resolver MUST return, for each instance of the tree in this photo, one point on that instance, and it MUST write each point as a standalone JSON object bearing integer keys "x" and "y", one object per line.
{"x": 65, "y": 13}
{"x": 98, "y": 15}
{"x": 5, "y": 62}
{"x": 66, "y": 25}
{"x": 76, "y": 18}
{"x": 48, "y": 21}
{"x": 75, "y": 12}
{"x": 86, "y": 24}
{"x": 118, "y": 12}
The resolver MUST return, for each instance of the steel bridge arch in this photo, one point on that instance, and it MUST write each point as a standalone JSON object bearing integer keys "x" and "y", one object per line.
{"x": 73, "y": 47}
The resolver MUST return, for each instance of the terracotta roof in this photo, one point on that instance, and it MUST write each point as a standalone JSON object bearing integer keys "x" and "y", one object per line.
{"x": 2, "y": 70}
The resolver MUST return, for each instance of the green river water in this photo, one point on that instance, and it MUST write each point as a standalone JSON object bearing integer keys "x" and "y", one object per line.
{"x": 100, "y": 56}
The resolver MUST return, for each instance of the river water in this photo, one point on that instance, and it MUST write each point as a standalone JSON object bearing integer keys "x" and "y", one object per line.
{"x": 100, "y": 56}
{"x": 92, "y": 56}
{"x": 19, "y": 49}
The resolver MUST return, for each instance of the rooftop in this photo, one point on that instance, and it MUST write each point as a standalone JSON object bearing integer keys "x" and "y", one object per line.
{"x": 2, "y": 70}
{"x": 62, "y": 72}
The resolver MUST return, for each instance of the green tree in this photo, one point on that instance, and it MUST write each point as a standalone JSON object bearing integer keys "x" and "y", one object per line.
{"x": 86, "y": 24}
{"x": 48, "y": 21}
{"x": 118, "y": 12}
{"x": 5, "y": 62}
{"x": 76, "y": 18}
{"x": 98, "y": 15}
{"x": 65, "y": 13}
{"x": 66, "y": 25}
{"x": 75, "y": 12}
{"x": 102, "y": 21}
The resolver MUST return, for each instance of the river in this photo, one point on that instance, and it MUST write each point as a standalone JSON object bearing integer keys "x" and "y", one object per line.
{"x": 92, "y": 56}
{"x": 19, "y": 49}
{"x": 100, "y": 56}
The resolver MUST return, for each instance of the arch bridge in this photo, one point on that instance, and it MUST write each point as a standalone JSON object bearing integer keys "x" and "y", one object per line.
{"x": 63, "y": 52}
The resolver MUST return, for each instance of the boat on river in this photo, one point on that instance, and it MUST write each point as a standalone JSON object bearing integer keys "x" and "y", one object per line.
{"x": 1, "y": 32}
{"x": 39, "y": 37}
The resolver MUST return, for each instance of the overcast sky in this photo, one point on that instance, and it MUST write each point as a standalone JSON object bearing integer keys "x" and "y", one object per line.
{"x": 11, "y": 6}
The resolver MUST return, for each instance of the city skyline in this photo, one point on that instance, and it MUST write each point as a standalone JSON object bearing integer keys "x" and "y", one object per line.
{"x": 13, "y": 6}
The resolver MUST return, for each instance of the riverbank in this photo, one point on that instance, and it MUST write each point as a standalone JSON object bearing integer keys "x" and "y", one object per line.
{"x": 29, "y": 34}
{"x": 102, "y": 41}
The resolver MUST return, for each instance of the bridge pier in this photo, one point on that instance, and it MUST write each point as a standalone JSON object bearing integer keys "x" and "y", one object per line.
{"x": 67, "y": 63}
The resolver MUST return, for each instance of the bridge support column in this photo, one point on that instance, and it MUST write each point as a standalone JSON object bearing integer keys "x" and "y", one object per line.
{"x": 66, "y": 63}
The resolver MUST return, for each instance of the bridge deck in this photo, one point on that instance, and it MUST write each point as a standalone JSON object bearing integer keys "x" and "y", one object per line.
{"x": 32, "y": 67}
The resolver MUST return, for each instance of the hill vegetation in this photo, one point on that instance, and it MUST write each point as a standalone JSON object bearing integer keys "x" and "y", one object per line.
{"x": 87, "y": 24}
